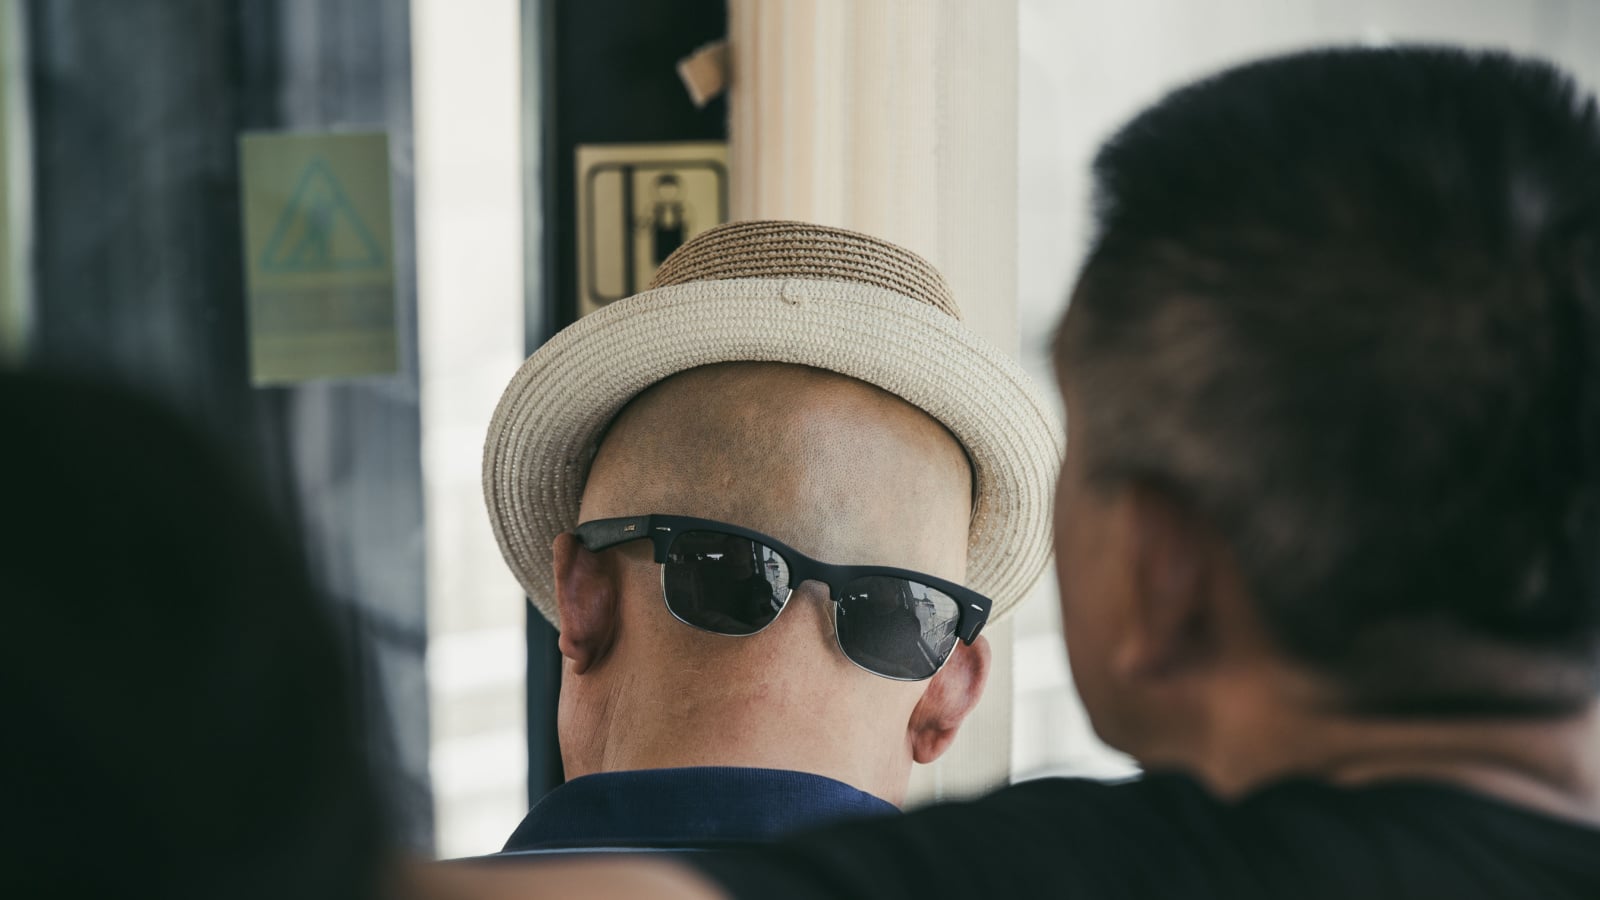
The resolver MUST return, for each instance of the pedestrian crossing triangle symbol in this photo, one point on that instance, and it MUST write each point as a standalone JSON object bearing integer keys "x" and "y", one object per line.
{"x": 320, "y": 230}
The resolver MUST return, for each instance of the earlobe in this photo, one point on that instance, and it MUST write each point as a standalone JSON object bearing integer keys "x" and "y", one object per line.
{"x": 586, "y": 598}
{"x": 951, "y": 695}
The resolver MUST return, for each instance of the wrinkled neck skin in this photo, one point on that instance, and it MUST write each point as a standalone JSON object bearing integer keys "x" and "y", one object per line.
{"x": 1274, "y": 728}
{"x": 628, "y": 714}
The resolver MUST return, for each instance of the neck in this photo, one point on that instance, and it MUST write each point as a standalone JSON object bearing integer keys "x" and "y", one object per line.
{"x": 1549, "y": 764}
{"x": 642, "y": 723}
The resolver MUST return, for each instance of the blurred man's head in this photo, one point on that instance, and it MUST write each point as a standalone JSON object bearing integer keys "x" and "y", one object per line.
{"x": 838, "y": 469}
{"x": 1334, "y": 398}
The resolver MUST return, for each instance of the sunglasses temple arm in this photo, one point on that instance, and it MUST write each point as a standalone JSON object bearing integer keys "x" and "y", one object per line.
{"x": 972, "y": 632}
{"x": 603, "y": 533}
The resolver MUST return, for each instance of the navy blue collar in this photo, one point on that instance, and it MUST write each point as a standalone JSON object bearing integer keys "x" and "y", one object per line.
{"x": 702, "y": 806}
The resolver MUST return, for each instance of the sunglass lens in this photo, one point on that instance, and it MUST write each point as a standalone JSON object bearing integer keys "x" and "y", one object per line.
{"x": 725, "y": 584}
{"x": 895, "y": 627}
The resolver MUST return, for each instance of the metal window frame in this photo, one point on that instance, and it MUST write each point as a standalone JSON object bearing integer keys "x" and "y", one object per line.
{"x": 585, "y": 82}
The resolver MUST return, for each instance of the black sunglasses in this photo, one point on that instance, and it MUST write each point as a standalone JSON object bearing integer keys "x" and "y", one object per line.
{"x": 733, "y": 581}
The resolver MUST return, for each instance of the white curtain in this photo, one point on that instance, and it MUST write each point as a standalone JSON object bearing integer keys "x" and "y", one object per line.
{"x": 897, "y": 118}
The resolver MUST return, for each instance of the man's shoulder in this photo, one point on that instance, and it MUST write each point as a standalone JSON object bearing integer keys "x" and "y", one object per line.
{"x": 1053, "y": 792}
{"x": 1181, "y": 811}
{"x": 1066, "y": 804}
{"x": 1166, "y": 835}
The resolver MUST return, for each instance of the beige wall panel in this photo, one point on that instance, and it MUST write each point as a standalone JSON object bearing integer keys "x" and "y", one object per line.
{"x": 896, "y": 118}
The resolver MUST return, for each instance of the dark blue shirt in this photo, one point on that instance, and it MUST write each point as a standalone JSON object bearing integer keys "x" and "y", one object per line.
{"x": 693, "y": 807}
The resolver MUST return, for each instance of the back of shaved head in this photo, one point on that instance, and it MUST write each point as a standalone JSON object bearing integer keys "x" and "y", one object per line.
{"x": 837, "y": 469}
{"x": 840, "y": 469}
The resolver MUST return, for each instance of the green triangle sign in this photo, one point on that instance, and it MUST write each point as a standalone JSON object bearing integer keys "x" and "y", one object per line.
{"x": 319, "y": 230}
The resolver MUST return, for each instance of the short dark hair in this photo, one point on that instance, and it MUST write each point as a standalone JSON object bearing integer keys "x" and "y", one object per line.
{"x": 1346, "y": 305}
{"x": 182, "y": 707}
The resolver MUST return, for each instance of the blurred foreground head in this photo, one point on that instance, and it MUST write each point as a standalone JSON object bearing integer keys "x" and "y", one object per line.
{"x": 180, "y": 710}
{"x": 1335, "y": 355}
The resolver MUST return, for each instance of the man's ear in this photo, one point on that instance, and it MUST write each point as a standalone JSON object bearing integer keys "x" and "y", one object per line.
{"x": 951, "y": 695}
{"x": 1172, "y": 615}
{"x": 586, "y": 597}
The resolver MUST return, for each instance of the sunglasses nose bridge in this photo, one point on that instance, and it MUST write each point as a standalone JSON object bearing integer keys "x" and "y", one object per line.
{"x": 799, "y": 582}
{"x": 826, "y": 590}
{"x": 828, "y": 578}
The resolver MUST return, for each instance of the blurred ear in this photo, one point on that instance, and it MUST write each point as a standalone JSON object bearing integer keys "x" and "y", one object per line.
{"x": 1171, "y": 622}
{"x": 586, "y": 597}
{"x": 951, "y": 695}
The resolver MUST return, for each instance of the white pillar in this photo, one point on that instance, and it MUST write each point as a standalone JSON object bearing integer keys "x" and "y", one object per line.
{"x": 16, "y": 212}
{"x": 466, "y": 74}
{"x": 897, "y": 118}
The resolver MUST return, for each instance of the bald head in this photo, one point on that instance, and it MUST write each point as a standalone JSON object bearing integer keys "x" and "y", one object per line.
{"x": 839, "y": 469}
{"x": 835, "y": 468}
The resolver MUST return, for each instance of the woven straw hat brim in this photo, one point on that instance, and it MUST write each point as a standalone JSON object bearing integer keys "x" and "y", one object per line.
{"x": 543, "y": 434}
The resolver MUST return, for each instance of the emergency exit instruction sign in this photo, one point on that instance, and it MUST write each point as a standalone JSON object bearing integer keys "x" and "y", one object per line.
{"x": 319, "y": 255}
{"x": 636, "y": 204}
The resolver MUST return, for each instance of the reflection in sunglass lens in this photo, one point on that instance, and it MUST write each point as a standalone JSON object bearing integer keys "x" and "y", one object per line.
{"x": 726, "y": 584}
{"x": 896, "y": 627}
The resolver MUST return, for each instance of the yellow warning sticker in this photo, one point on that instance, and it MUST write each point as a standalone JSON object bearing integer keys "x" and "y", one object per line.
{"x": 319, "y": 255}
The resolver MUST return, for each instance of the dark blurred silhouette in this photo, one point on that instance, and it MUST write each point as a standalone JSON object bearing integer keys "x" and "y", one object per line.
{"x": 181, "y": 707}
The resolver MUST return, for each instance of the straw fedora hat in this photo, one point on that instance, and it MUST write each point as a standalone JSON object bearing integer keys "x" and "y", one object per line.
{"x": 785, "y": 292}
